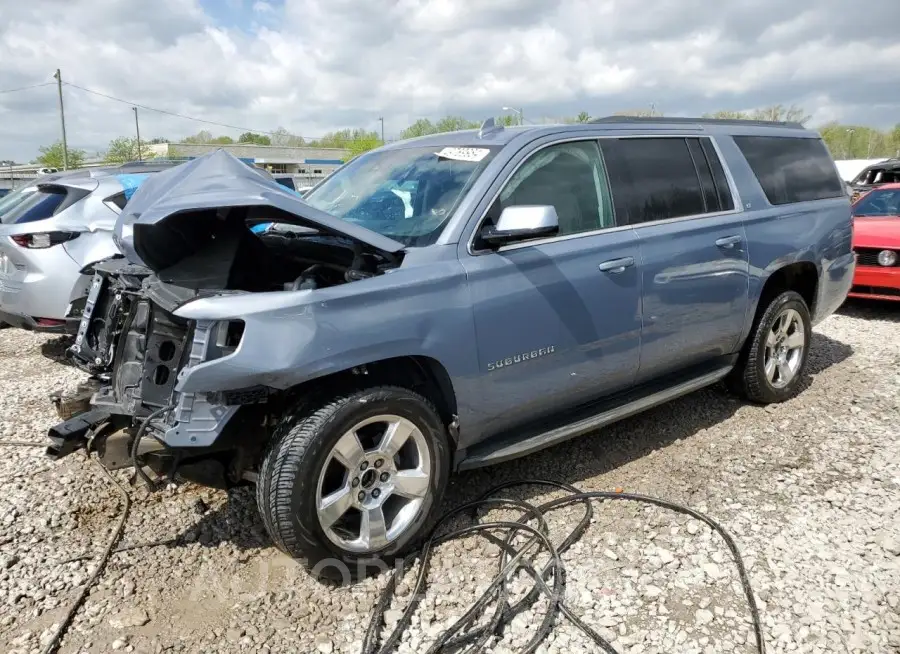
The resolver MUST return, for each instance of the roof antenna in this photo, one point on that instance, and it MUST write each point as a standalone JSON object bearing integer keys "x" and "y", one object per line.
{"x": 489, "y": 127}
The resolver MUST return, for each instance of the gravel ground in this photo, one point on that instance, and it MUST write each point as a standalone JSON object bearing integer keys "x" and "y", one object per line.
{"x": 810, "y": 490}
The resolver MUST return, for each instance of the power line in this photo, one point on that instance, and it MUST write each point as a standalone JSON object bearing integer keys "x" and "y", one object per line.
{"x": 177, "y": 115}
{"x": 25, "y": 88}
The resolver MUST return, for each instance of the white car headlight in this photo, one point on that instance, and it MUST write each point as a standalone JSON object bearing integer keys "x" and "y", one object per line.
{"x": 887, "y": 258}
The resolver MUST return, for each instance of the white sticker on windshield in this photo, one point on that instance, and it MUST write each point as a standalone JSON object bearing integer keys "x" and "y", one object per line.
{"x": 463, "y": 154}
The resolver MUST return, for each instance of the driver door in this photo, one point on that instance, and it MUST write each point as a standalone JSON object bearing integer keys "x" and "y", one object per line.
{"x": 558, "y": 320}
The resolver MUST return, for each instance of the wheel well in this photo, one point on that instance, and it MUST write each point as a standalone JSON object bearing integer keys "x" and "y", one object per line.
{"x": 421, "y": 374}
{"x": 801, "y": 277}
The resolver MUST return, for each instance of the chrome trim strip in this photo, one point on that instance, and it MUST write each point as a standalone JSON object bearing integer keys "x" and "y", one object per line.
{"x": 554, "y": 436}
{"x": 735, "y": 196}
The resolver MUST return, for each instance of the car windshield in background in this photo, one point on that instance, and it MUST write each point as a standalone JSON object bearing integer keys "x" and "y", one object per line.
{"x": 406, "y": 194}
{"x": 879, "y": 203}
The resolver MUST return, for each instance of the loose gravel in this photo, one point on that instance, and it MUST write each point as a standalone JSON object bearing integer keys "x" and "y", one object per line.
{"x": 810, "y": 490}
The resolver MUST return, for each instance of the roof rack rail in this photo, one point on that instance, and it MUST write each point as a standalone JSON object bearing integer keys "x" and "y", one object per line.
{"x": 697, "y": 121}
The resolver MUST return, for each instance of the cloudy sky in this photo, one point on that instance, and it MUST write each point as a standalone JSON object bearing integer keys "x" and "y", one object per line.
{"x": 312, "y": 66}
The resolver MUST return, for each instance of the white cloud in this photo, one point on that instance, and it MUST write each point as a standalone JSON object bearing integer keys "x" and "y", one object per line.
{"x": 313, "y": 66}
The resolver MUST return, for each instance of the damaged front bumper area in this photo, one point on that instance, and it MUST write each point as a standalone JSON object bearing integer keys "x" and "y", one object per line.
{"x": 134, "y": 347}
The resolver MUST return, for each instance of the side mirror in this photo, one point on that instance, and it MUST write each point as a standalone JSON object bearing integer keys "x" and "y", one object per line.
{"x": 521, "y": 223}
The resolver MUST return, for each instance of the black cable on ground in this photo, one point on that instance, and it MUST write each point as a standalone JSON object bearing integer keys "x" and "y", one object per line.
{"x": 464, "y": 635}
{"x": 135, "y": 444}
{"x": 54, "y": 642}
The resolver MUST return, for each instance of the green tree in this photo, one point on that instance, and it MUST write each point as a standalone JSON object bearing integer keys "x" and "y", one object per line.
{"x": 356, "y": 141}
{"x": 222, "y": 140}
{"x": 421, "y": 127}
{"x": 51, "y": 156}
{"x": 158, "y": 141}
{"x": 728, "y": 115}
{"x": 252, "y": 137}
{"x": 124, "y": 149}
{"x": 583, "y": 117}
{"x": 649, "y": 112}
{"x": 455, "y": 124}
{"x": 202, "y": 137}
{"x": 506, "y": 121}
{"x": 776, "y": 112}
{"x": 284, "y": 138}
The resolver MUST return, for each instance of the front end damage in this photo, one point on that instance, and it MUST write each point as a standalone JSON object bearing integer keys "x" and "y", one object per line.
{"x": 141, "y": 342}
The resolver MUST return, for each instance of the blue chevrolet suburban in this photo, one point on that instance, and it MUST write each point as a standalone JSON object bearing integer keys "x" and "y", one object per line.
{"x": 449, "y": 302}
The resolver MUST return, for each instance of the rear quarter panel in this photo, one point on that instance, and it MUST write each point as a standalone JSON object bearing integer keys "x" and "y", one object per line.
{"x": 819, "y": 232}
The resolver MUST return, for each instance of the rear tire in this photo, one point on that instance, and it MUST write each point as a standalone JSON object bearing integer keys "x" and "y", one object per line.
{"x": 773, "y": 362}
{"x": 335, "y": 490}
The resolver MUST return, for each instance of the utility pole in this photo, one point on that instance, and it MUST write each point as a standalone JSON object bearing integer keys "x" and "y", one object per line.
{"x": 62, "y": 120}
{"x": 382, "y": 130}
{"x": 137, "y": 128}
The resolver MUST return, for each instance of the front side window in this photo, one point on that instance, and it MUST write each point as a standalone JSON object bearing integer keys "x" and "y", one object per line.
{"x": 571, "y": 177}
{"x": 884, "y": 202}
{"x": 791, "y": 169}
{"x": 406, "y": 194}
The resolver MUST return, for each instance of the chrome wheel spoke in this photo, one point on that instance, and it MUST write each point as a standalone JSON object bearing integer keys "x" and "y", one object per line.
{"x": 363, "y": 501}
{"x": 373, "y": 530}
{"x": 348, "y": 450}
{"x": 412, "y": 484}
{"x": 772, "y": 339}
{"x": 332, "y": 507}
{"x": 784, "y": 372}
{"x": 395, "y": 436}
{"x": 770, "y": 369}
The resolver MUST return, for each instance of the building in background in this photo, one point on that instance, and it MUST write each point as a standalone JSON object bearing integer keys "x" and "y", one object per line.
{"x": 308, "y": 165}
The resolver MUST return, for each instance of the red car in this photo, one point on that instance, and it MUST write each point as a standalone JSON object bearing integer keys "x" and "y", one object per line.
{"x": 876, "y": 241}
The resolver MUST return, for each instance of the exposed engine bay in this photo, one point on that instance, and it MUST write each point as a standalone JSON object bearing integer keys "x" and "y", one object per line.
{"x": 133, "y": 345}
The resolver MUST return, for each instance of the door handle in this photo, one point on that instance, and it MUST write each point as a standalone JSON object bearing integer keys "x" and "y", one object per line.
{"x": 616, "y": 265}
{"x": 728, "y": 242}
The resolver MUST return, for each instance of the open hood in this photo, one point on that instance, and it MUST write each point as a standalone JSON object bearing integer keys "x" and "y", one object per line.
{"x": 218, "y": 192}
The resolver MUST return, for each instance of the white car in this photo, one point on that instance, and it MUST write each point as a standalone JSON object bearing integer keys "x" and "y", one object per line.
{"x": 51, "y": 230}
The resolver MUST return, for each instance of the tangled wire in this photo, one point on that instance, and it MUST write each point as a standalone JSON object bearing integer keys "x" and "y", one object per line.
{"x": 465, "y": 635}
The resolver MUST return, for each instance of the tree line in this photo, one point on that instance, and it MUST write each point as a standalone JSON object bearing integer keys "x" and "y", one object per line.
{"x": 845, "y": 141}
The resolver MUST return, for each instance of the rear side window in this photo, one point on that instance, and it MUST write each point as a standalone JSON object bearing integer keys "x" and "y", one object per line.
{"x": 791, "y": 169}
{"x": 41, "y": 204}
{"x": 662, "y": 178}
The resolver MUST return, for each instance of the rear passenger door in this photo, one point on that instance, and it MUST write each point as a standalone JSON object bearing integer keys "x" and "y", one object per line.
{"x": 694, "y": 268}
{"x": 557, "y": 319}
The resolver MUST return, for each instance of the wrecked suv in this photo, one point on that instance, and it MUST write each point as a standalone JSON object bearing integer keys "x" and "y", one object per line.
{"x": 449, "y": 302}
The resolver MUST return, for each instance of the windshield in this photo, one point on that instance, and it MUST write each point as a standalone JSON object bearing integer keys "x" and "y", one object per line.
{"x": 13, "y": 199}
{"x": 406, "y": 194}
{"x": 884, "y": 202}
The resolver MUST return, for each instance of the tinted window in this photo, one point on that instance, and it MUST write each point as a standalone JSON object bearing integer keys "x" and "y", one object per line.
{"x": 36, "y": 206}
{"x": 791, "y": 169}
{"x": 14, "y": 198}
{"x": 657, "y": 178}
{"x": 118, "y": 199}
{"x": 572, "y": 178}
{"x": 707, "y": 185}
{"x": 726, "y": 200}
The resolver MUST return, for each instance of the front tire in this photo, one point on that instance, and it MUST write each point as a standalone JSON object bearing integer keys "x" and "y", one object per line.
{"x": 773, "y": 363}
{"x": 352, "y": 483}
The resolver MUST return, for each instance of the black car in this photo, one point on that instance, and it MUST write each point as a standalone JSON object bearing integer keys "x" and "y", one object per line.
{"x": 884, "y": 172}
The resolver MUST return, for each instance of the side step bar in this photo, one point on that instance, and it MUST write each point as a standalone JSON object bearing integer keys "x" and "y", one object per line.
{"x": 507, "y": 450}
{"x": 71, "y": 435}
